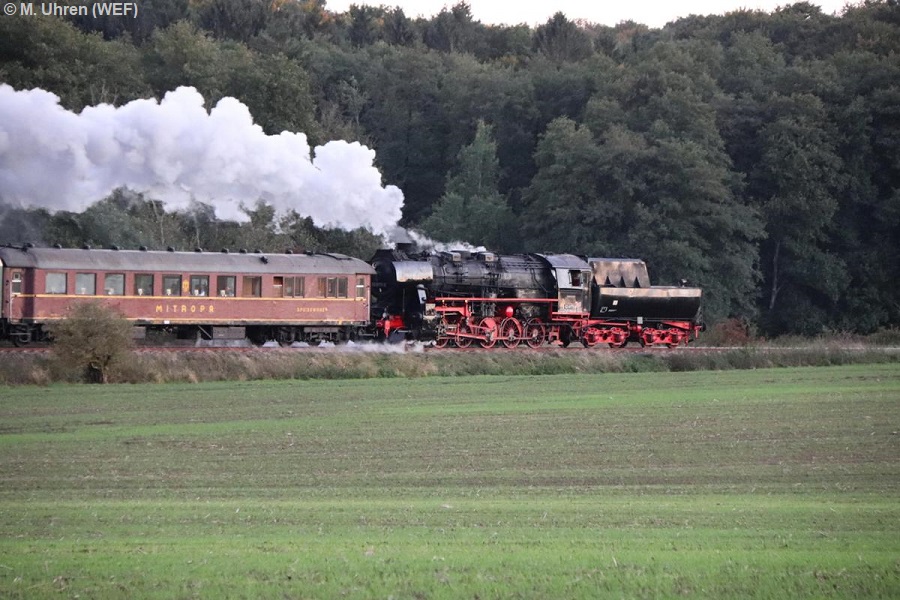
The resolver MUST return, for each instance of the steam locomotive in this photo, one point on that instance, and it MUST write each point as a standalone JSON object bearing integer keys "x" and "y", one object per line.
{"x": 461, "y": 298}
{"x": 454, "y": 298}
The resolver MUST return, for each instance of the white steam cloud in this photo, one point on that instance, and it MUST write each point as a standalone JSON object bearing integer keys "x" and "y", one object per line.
{"x": 426, "y": 244}
{"x": 176, "y": 151}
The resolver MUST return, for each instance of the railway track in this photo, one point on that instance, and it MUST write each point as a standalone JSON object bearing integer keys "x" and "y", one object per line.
{"x": 414, "y": 348}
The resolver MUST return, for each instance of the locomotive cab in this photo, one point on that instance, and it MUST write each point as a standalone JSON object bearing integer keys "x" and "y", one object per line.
{"x": 573, "y": 283}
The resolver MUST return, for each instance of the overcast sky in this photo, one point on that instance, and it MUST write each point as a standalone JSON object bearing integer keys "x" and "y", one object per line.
{"x": 654, "y": 13}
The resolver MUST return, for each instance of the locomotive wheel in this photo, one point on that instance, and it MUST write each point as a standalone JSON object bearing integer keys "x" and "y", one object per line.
{"x": 621, "y": 344}
{"x": 511, "y": 332}
{"x": 565, "y": 336}
{"x": 534, "y": 334}
{"x": 490, "y": 332}
{"x": 463, "y": 342}
{"x": 441, "y": 340}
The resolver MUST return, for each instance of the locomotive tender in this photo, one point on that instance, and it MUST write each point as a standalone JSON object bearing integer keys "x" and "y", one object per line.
{"x": 460, "y": 298}
{"x": 453, "y": 298}
{"x": 202, "y": 295}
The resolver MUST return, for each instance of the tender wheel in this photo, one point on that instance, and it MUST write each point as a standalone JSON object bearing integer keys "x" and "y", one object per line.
{"x": 535, "y": 334}
{"x": 675, "y": 338}
{"x": 511, "y": 332}
{"x": 617, "y": 333}
{"x": 590, "y": 337}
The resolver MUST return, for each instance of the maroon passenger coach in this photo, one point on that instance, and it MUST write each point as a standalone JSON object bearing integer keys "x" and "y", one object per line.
{"x": 203, "y": 295}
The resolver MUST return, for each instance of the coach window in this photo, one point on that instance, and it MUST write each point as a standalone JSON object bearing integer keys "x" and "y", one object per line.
{"x": 299, "y": 287}
{"x": 252, "y": 287}
{"x": 360, "y": 287}
{"x": 332, "y": 287}
{"x": 278, "y": 287}
{"x": 200, "y": 285}
{"x": 85, "y": 284}
{"x": 16, "y": 283}
{"x": 114, "y": 284}
{"x": 225, "y": 285}
{"x": 55, "y": 283}
{"x": 172, "y": 285}
{"x": 294, "y": 287}
{"x": 143, "y": 284}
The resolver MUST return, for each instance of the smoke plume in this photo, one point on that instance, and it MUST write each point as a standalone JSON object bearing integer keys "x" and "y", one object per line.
{"x": 176, "y": 151}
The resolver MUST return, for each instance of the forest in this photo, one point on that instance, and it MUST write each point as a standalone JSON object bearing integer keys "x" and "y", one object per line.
{"x": 754, "y": 154}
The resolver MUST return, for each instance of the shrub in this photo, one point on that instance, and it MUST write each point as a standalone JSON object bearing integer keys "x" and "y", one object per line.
{"x": 730, "y": 332}
{"x": 92, "y": 339}
{"x": 886, "y": 337}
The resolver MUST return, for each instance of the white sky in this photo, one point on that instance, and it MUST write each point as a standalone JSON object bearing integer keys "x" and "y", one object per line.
{"x": 654, "y": 13}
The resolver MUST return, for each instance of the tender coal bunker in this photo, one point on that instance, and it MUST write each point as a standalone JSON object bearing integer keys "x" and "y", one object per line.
{"x": 621, "y": 289}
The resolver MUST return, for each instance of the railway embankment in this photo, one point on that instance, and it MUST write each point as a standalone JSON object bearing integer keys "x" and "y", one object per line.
{"x": 40, "y": 367}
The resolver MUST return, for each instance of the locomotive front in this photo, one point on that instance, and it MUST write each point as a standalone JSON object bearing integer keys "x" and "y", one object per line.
{"x": 400, "y": 307}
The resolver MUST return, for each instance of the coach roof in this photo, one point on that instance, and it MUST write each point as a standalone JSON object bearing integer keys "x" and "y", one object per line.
{"x": 181, "y": 262}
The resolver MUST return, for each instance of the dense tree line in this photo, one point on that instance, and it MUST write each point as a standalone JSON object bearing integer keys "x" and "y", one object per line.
{"x": 756, "y": 155}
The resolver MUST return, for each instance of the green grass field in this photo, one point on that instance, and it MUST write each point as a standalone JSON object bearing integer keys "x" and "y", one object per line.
{"x": 779, "y": 483}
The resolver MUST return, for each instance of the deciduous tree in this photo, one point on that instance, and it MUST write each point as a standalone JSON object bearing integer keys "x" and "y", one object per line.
{"x": 561, "y": 40}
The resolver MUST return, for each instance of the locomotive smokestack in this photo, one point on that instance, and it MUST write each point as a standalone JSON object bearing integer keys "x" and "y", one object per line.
{"x": 176, "y": 151}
